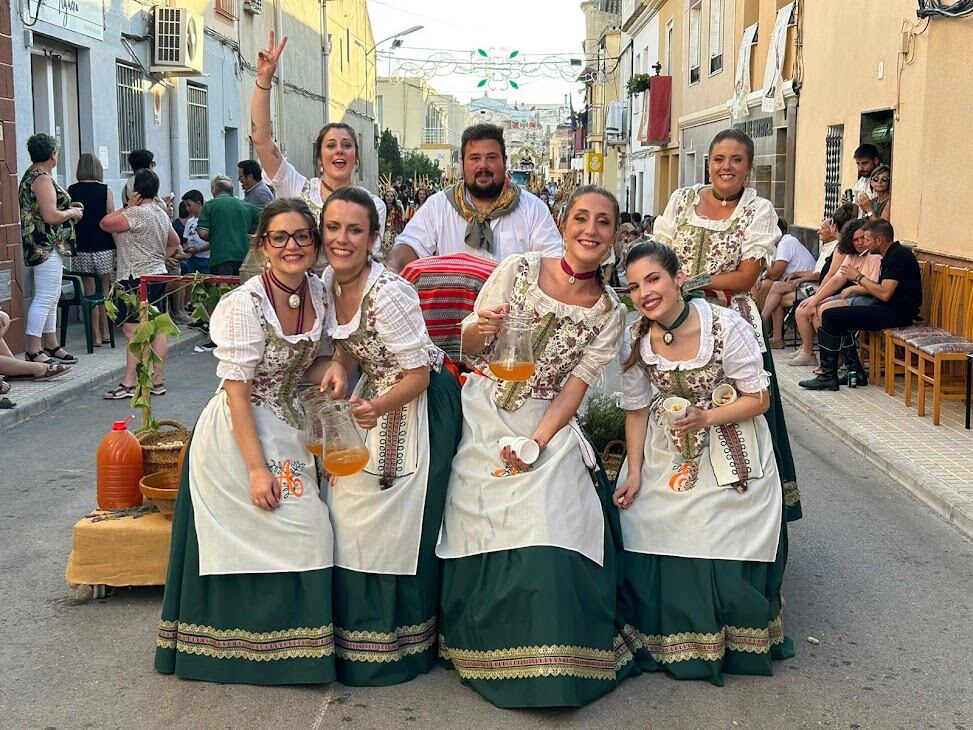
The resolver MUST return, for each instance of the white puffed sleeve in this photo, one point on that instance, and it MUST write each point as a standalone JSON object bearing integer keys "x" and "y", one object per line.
{"x": 235, "y": 329}
{"x": 288, "y": 182}
{"x": 496, "y": 289}
{"x": 664, "y": 228}
{"x": 761, "y": 236}
{"x": 400, "y": 326}
{"x": 603, "y": 348}
{"x": 742, "y": 360}
{"x": 636, "y": 385}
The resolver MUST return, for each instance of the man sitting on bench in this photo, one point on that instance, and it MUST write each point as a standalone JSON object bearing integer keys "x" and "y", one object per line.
{"x": 899, "y": 294}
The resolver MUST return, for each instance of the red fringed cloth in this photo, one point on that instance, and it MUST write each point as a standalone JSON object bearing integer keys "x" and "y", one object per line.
{"x": 447, "y": 287}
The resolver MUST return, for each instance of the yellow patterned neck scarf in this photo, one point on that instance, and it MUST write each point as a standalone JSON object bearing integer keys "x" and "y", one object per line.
{"x": 478, "y": 231}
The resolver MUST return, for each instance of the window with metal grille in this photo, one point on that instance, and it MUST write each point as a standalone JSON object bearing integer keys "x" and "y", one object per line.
{"x": 131, "y": 113}
{"x": 832, "y": 167}
{"x": 695, "y": 18}
{"x": 198, "y": 131}
{"x": 228, "y": 8}
{"x": 715, "y": 36}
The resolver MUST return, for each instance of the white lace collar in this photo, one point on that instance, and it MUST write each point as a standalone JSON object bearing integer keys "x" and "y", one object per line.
{"x": 344, "y": 331}
{"x": 543, "y": 303}
{"x": 749, "y": 195}
{"x": 704, "y": 353}
{"x": 255, "y": 285}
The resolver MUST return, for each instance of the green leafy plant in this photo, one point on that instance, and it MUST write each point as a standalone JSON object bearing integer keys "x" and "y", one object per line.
{"x": 638, "y": 83}
{"x": 153, "y": 322}
{"x": 603, "y": 420}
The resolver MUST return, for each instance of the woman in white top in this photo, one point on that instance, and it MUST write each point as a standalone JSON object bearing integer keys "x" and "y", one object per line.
{"x": 248, "y": 595}
{"x": 386, "y": 517}
{"x": 336, "y": 150}
{"x": 530, "y": 576}
{"x": 702, "y": 508}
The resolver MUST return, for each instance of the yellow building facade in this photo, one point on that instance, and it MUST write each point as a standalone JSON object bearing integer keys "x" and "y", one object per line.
{"x": 890, "y": 79}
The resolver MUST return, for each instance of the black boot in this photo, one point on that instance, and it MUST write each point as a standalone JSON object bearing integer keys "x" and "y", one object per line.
{"x": 828, "y": 345}
{"x": 852, "y": 360}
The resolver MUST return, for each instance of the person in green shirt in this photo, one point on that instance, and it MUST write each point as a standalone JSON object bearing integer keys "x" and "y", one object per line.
{"x": 225, "y": 222}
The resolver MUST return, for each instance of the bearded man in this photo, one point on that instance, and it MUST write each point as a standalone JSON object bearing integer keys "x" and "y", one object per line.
{"x": 486, "y": 215}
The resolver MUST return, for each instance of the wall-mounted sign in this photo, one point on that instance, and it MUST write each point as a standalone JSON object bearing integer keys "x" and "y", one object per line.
{"x": 157, "y": 106}
{"x": 86, "y": 17}
{"x": 5, "y": 288}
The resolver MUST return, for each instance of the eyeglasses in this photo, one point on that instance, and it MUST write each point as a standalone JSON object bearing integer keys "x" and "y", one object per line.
{"x": 278, "y": 239}
{"x": 880, "y": 179}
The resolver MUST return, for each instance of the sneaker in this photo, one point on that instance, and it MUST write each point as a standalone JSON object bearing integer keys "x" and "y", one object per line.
{"x": 802, "y": 358}
{"x": 182, "y": 318}
{"x": 200, "y": 325}
{"x": 207, "y": 346}
{"x": 158, "y": 389}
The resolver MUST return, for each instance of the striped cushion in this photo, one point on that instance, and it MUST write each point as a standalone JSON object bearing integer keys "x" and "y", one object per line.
{"x": 932, "y": 339}
{"x": 958, "y": 347}
{"x": 901, "y": 333}
{"x": 447, "y": 287}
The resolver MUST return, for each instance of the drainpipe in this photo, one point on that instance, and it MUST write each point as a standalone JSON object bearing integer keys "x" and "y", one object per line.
{"x": 326, "y": 63}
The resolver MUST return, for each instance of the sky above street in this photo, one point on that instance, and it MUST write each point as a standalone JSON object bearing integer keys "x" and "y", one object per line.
{"x": 541, "y": 27}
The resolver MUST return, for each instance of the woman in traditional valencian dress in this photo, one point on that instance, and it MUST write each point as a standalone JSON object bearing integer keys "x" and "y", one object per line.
{"x": 700, "y": 492}
{"x": 386, "y": 517}
{"x": 529, "y": 582}
{"x": 727, "y": 231}
{"x": 336, "y": 150}
{"x": 248, "y": 595}
{"x": 394, "y": 222}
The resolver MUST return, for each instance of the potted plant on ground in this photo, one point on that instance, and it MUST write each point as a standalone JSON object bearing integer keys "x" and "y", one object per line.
{"x": 604, "y": 423}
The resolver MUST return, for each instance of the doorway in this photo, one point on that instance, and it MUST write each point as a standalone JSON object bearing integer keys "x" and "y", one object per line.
{"x": 54, "y": 88}
{"x": 231, "y": 154}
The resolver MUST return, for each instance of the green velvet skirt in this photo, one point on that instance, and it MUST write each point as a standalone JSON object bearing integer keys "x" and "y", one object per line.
{"x": 697, "y": 618}
{"x": 386, "y": 625}
{"x": 782, "y": 444}
{"x": 537, "y": 626}
{"x": 259, "y": 628}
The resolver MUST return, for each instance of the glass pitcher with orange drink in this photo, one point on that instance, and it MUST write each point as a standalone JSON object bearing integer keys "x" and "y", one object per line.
{"x": 310, "y": 401}
{"x": 344, "y": 451}
{"x": 513, "y": 353}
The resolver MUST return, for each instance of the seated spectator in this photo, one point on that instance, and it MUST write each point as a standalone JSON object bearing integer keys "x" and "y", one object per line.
{"x": 790, "y": 257}
{"x": 801, "y": 284}
{"x": 144, "y": 238}
{"x": 898, "y": 291}
{"x": 14, "y": 368}
{"x": 881, "y": 205}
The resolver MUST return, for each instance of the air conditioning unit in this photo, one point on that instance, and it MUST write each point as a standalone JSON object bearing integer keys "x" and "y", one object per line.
{"x": 177, "y": 47}
{"x": 254, "y": 7}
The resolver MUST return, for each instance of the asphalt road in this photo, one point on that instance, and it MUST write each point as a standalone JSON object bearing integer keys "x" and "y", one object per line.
{"x": 880, "y": 581}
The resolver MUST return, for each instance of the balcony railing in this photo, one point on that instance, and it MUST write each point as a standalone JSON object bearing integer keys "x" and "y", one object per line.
{"x": 434, "y": 135}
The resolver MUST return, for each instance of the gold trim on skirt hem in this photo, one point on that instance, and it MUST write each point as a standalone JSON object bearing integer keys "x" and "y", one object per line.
{"x": 299, "y": 643}
{"x": 379, "y": 647}
{"x": 530, "y": 662}
{"x": 685, "y": 646}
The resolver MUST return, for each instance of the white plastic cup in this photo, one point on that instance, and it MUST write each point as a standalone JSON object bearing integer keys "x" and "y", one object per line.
{"x": 525, "y": 449}
{"x": 675, "y": 408}
{"x": 724, "y": 394}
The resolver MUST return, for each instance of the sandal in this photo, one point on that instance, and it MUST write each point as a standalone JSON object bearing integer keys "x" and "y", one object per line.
{"x": 4, "y": 386}
{"x": 120, "y": 392}
{"x": 158, "y": 389}
{"x": 37, "y": 356}
{"x": 6, "y": 404}
{"x": 66, "y": 357}
{"x": 53, "y": 370}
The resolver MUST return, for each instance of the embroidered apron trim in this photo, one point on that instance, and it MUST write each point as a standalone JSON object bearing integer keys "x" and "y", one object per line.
{"x": 530, "y": 662}
{"x": 686, "y": 646}
{"x": 737, "y": 452}
{"x": 298, "y": 643}
{"x": 379, "y": 647}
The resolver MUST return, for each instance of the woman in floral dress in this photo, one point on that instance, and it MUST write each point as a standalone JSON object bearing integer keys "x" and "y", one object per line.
{"x": 386, "y": 517}
{"x": 727, "y": 231}
{"x": 528, "y": 612}
{"x": 700, "y": 494}
{"x": 394, "y": 222}
{"x": 248, "y": 595}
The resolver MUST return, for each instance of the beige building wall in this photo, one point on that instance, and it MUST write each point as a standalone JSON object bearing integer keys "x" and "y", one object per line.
{"x": 298, "y": 106}
{"x": 671, "y": 45}
{"x": 602, "y": 45}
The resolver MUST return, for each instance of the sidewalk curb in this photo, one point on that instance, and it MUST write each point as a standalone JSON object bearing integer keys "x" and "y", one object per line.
{"x": 920, "y": 484}
{"x": 76, "y": 387}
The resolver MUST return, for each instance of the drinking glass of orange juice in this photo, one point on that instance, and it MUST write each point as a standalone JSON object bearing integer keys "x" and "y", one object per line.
{"x": 513, "y": 353}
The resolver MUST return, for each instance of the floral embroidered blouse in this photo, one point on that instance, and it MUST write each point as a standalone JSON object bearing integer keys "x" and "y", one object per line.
{"x": 568, "y": 339}
{"x": 250, "y": 345}
{"x": 38, "y": 237}
{"x": 707, "y": 246}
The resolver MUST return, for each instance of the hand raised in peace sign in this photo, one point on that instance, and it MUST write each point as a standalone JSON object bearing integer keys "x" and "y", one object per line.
{"x": 267, "y": 60}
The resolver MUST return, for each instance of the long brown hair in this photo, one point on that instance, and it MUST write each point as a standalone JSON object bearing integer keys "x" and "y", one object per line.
{"x": 667, "y": 259}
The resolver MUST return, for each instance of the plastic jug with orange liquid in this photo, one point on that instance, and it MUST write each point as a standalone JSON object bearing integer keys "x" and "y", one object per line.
{"x": 119, "y": 467}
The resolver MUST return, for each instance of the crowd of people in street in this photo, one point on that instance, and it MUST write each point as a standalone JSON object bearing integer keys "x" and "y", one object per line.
{"x": 481, "y": 529}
